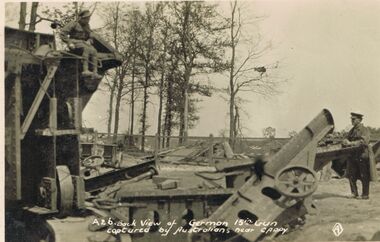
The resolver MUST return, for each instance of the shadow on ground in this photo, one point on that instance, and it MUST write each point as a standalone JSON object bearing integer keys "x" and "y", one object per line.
{"x": 328, "y": 195}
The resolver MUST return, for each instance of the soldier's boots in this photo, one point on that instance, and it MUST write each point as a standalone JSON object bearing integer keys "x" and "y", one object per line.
{"x": 97, "y": 76}
{"x": 85, "y": 71}
{"x": 95, "y": 66}
{"x": 88, "y": 73}
{"x": 354, "y": 189}
{"x": 353, "y": 196}
{"x": 365, "y": 183}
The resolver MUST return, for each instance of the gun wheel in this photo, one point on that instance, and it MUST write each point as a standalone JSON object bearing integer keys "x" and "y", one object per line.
{"x": 296, "y": 181}
{"x": 93, "y": 161}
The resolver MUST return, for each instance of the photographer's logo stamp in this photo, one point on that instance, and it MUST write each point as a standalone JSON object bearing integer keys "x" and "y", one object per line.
{"x": 337, "y": 229}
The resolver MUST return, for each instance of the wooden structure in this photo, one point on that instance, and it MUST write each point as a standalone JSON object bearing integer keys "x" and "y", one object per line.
{"x": 44, "y": 98}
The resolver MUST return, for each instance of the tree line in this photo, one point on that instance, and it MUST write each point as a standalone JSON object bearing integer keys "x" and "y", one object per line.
{"x": 169, "y": 51}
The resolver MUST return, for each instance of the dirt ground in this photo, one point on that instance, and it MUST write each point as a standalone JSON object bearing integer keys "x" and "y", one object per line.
{"x": 360, "y": 219}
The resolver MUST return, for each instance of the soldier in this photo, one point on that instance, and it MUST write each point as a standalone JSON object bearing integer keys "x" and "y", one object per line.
{"x": 358, "y": 166}
{"x": 77, "y": 35}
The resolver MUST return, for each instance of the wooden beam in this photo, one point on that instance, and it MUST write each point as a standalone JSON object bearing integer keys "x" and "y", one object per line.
{"x": 22, "y": 57}
{"x": 38, "y": 99}
{"x": 49, "y": 132}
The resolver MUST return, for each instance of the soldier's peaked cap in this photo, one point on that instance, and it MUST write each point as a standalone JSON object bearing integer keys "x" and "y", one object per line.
{"x": 357, "y": 114}
{"x": 84, "y": 13}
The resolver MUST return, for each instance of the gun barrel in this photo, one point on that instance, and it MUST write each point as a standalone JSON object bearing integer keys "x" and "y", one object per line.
{"x": 321, "y": 125}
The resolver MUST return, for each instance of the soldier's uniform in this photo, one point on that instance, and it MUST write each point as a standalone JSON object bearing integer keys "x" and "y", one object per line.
{"x": 358, "y": 166}
{"x": 79, "y": 34}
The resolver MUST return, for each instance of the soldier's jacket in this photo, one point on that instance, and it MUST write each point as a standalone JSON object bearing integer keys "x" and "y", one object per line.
{"x": 75, "y": 31}
{"x": 360, "y": 136}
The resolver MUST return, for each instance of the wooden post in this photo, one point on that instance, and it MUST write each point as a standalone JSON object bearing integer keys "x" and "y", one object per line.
{"x": 38, "y": 41}
{"x": 156, "y": 148}
{"x": 13, "y": 140}
{"x": 53, "y": 114}
{"x": 211, "y": 150}
{"x": 95, "y": 142}
{"x": 227, "y": 150}
{"x": 77, "y": 113}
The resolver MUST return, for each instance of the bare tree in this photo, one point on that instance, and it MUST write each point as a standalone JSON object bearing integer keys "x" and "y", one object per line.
{"x": 121, "y": 73}
{"x": 133, "y": 38}
{"x": 114, "y": 78}
{"x": 244, "y": 73}
{"x": 116, "y": 30}
{"x": 110, "y": 81}
{"x": 62, "y": 15}
{"x": 122, "y": 27}
{"x": 113, "y": 21}
{"x": 33, "y": 16}
{"x": 149, "y": 55}
{"x": 170, "y": 91}
{"x": 269, "y": 132}
{"x": 163, "y": 65}
{"x": 198, "y": 31}
{"x": 21, "y": 22}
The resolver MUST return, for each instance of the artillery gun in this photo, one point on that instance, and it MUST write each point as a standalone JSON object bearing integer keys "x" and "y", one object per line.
{"x": 281, "y": 197}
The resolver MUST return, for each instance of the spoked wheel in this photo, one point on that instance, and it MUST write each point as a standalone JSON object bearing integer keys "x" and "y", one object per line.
{"x": 296, "y": 181}
{"x": 93, "y": 161}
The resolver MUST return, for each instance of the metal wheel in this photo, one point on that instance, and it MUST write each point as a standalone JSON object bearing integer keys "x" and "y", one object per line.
{"x": 93, "y": 161}
{"x": 296, "y": 181}
{"x": 65, "y": 191}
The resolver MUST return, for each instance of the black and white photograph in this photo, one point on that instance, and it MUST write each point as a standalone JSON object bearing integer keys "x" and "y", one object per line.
{"x": 194, "y": 121}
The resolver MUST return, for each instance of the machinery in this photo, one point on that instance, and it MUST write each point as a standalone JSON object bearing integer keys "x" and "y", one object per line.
{"x": 281, "y": 197}
{"x": 45, "y": 95}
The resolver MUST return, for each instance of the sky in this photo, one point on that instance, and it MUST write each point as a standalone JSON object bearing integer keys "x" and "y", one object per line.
{"x": 329, "y": 52}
